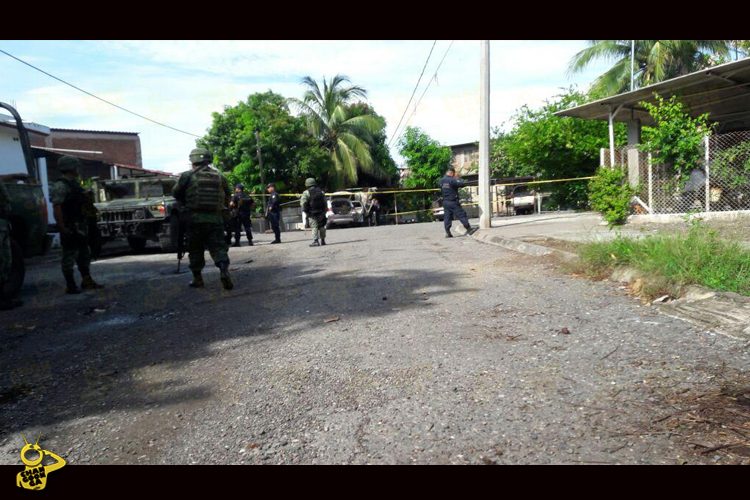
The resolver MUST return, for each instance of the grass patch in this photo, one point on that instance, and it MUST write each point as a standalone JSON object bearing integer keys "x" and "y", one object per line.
{"x": 698, "y": 257}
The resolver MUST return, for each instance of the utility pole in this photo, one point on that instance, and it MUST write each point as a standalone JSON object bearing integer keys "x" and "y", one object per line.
{"x": 260, "y": 165}
{"x": 632, "y": 65}
{"x": 485, "y": 211}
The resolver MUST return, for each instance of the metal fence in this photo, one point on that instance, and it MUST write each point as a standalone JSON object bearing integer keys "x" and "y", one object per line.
{"x": 719, "y": 182}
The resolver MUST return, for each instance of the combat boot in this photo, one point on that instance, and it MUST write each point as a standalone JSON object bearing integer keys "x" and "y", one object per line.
{"x": 236, "y": 243}
{"x": 448, "y": 235}
{"x": 226, "y": 280}
{"x": 315, "y": 243}
{"x": 70, "y": 284}
{"x": 471, "y": 230}
{"x": 197, "y": 281}
{"x": 322, "y": 241}
{"x": 250, "y": 242}
{"x": 88, "y": 283}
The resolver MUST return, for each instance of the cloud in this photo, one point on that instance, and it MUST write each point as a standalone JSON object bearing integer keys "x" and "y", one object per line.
{"x": 182, "y": 82}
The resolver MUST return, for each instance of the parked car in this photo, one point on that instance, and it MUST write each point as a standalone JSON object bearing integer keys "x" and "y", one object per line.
{"x": 523, "y": 200}
{"x": 139, "y": 210}
{"x": 344, "y": 212}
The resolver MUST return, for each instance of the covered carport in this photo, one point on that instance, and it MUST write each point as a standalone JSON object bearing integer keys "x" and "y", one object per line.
{"x": 721, "y": 91}
{"x": 721, "y": 181}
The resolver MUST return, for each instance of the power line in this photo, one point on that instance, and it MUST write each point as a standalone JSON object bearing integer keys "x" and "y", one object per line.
{"x": 97, "y": 97}
{"x": 413, "y": 92}
{"x": 434, "y": 78}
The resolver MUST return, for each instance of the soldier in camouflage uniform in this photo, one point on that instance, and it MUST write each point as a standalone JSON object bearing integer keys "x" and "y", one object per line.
{"x": 313, "y": 203}
{"x": 6, "y": 256}
{"x": 68, "y": 202}
{"x": 205, "y": 193}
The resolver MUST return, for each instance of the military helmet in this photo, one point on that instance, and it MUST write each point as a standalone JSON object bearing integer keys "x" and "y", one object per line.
{"x": 68, "y": 163}
{"x": 310, "y": 182}
{"x": 239, "y": 186}
{"x": 199, "y": 155}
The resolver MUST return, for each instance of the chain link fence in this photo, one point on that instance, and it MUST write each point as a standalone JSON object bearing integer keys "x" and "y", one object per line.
{"x": 719, "y": 182}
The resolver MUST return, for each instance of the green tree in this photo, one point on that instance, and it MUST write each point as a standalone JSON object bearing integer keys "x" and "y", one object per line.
{"x": 557, "y": 147}
{"x": 676, "y": 137}
{"x": 655, "y": 61}
{"x": 426, "y": 159}
{"x": 384, "y": 171}
{"x": 289, "y": 152}
{"x": 346, "y": 135}
{"x": 501, "y": 162}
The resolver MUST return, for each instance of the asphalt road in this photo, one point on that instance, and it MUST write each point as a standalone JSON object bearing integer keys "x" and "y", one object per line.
{"x": 389, "y": 345}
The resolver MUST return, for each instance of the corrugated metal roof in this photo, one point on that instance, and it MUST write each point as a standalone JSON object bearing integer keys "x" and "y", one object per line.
{"x": 721, "y": 91}
{"x": 55, "y": 129}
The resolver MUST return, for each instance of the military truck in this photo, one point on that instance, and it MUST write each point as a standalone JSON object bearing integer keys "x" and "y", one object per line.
{"x": 28, "y": 215}
{"x": 139, "y": 210}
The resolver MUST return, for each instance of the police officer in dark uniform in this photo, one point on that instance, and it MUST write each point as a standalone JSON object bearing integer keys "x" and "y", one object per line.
{"x": 273, "y": 212}
{"x": 449, "y": 186}
{"x": 242, "y": 207}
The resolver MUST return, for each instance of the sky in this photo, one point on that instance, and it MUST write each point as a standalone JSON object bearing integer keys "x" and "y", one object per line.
{"x": 181, "y": 83}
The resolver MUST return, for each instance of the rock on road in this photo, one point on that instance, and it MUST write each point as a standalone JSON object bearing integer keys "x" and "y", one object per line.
{"x": 389, "y": 345}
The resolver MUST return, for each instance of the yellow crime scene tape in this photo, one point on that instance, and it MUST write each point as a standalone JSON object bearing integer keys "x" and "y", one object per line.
{"x": 407, "y": 191}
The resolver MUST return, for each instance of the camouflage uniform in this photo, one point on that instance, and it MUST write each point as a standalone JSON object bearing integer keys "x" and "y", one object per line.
{"x": 68, "y": 196}
{"x": 317, "y": 220}
{"x": 75, "y": 244}
{"x": 5, "y": 253}
{"x": 205, "y": 230}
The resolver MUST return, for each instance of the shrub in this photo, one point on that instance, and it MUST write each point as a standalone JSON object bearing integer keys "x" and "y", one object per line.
{"x": 610, "y": 194}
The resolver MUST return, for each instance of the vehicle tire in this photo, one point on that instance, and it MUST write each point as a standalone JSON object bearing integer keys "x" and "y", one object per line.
{"x": 137, "y": 244}
{"x": 17, "y": 270}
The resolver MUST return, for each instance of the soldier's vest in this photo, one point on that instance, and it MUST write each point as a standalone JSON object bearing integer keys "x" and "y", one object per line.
{"x": 317, "y": 201}
{"x": 205, "y": 193}
{"x": 72, "y": 207}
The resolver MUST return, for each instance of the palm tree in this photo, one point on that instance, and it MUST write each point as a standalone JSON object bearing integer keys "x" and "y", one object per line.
{"x": 342, "y": 128}
{"x": 655, "y": 60}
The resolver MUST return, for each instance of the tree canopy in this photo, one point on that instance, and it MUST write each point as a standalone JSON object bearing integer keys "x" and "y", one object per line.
{"x": 655, "y": 61}
{"x": 289, "y": 150}
{"x": 425, "y": 157}
{"x": 345, "y": 127}
{"x": 553, "y": 147}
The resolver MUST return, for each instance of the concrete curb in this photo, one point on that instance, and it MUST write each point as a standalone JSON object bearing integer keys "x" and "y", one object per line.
{"x": 521, "y": 246}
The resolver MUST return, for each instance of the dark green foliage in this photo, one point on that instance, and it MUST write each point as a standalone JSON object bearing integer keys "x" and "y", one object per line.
{"x": 675, "y": 140}
{"x": 426, "y": 159}
{"x": 610, "y": 194}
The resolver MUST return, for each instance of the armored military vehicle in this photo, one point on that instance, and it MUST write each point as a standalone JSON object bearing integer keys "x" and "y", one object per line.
{"x": 139, "y": 210}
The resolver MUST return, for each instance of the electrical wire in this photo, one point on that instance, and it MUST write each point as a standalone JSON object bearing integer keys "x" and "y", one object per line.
{"x": 434, "y": 78}
{"x": 413, "y": 92}
{"x": 97, "y": 97}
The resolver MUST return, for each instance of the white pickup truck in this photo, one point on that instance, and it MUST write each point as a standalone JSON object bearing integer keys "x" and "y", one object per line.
{"x": 523, "y": 200}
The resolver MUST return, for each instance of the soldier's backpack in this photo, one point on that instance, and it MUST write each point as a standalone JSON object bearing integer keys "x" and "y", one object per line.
{"x": 205, "y": 193}
{"x": 316, "y": 204}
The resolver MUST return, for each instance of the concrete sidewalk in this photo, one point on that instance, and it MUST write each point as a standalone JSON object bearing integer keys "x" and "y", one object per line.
{"x": 541, "y": 234}
{"x": 531, "y": 234}
{"x": 579, "y": 227}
